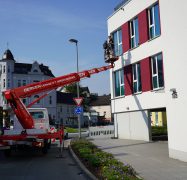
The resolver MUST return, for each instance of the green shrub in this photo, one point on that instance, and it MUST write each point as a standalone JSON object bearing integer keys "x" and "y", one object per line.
{"x": 94, "y": 160}
{"x": 106, "y": 166}
{"x": 159, "y": 130}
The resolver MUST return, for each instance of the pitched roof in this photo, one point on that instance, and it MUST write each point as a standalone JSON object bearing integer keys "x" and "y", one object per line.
{"x": 23, "y": 68}
{"x": 100, "y": 100}
{"x": 7, "y": 55}
{"x": 65, "y": 98}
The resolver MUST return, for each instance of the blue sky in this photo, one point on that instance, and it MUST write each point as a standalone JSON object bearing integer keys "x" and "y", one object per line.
{"x": 40, "y": 30}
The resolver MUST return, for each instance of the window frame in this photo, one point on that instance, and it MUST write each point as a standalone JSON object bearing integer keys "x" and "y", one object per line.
{"x": 137, "y": 80}
{"x": 118, "y": 43}
{"x": 121, "y": 82}
{"x": 134, "y": 37}
{"x": 156, "y": 73}
{"x": 151, "y": 13}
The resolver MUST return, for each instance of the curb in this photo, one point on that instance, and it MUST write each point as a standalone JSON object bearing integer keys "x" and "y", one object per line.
{"x": 87, "y": 172}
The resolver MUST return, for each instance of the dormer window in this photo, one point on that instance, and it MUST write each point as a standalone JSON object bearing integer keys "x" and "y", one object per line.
{"x": 35, "y": 70}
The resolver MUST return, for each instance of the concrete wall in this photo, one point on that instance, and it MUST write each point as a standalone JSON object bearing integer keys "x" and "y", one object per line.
{"x": 174, "y": 28}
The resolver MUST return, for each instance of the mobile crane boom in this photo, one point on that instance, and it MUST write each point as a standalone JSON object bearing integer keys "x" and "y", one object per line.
{"x": 14, "y": 96}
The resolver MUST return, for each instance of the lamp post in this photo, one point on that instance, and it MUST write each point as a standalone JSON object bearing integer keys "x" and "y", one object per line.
{"x": 78, "y": 95}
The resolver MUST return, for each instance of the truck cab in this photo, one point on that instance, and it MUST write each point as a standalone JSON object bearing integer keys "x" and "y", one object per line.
{"x": 41, "y": 118}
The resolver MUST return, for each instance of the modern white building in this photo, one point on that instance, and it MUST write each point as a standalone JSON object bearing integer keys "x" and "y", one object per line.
{"x": 149, "y": 38}
{"x": 14, "y": 74}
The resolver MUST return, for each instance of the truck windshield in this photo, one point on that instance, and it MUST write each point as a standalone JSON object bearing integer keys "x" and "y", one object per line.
{"x": 37, "y": 115}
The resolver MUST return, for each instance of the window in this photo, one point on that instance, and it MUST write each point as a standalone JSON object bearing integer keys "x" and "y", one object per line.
{"x": 137, "y": 86}
{"x": 50, "y": 99}
{"x": 117, "y": 36}
{"x": 8, "y": 83}
{"x": 24, "y": 101}
{"x": 134, "y": 34}
{"x": 36, "y": 81}
{"x": 37, "y": 115}
{"x": 154, "y": 21}
{"x": 119, "y": 83}
{"x": 157, "y": 71}
{"x": 24, "y": 82}
{"x": 4, "y": 83}
{"x": 36, "y": 97}
{"x": 19, "y": 83}
{"x": 8, "y": 69}
{"x": 4, "y": 69}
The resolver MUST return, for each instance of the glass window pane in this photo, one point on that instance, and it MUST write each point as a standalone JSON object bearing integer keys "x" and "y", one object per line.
{"x": 115, "y": 43}
{"x": 134, "y": 72}
{"x": 160, "y": 70}
{"x": 139, "y": 78}
{"x": 132, "y": 27}
{"x": 157, "y": 20}
{"x": 155, "y": 83}
{"x": 136, "y": 32}
{"x": 122, "y": 77}
{"x": 151, "y": 33}
{"x": 122, "y": 90}
{"x": 154, "y": 65}
{"x": 120, "y": 50}
{"x": 151, "y": 16}
{"x": 135, "y": 87}
{"x": 132, "y": 42}
{"x": 117, "y": 85}
{"x": 120, "y": 36}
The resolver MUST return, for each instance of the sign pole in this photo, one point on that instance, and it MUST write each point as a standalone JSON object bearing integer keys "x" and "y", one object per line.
{"x": 78, "y": 102}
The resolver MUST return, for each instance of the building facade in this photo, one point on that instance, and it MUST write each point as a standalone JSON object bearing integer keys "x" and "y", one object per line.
{"x": 14, "y": 74}
{"x": 66, "y": 110}
{"x": 101, "y": 105}
{"x": 149, "y": 75}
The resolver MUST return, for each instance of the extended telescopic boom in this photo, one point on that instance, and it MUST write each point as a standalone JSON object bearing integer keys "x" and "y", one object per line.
{"x": 14, "y": 96}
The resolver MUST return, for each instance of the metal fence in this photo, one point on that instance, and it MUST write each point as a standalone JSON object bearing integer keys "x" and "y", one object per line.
{"x": 101, "y": 131}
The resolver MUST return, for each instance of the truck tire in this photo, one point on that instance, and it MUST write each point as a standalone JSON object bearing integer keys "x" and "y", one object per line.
{"x": 49, "y": 144}
{"x": 45, "y": 147}
{"x": 7, "y": 152}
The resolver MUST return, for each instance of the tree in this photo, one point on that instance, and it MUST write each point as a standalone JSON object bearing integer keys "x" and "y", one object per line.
{"x": 71, "y": 88}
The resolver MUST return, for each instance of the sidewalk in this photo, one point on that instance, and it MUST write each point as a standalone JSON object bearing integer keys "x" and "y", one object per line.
{"x": 149, "y": 159}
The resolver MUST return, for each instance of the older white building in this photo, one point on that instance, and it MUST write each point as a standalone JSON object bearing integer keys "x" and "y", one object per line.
{"x": 149, "y": 38}
{"x": 14, "y": 74}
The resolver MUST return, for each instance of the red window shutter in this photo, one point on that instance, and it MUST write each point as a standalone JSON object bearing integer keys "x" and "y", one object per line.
{"x": 146, "y": 76}
{"x": 125, "y": 37}
{"x": 143, "y": 27}
{"x": 128, "y": 80}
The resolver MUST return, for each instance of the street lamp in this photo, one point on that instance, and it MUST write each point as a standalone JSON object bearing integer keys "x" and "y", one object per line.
{"x": 78, "y": 95}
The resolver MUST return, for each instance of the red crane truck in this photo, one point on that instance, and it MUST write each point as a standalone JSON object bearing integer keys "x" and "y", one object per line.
{"x": 33, "y": 123}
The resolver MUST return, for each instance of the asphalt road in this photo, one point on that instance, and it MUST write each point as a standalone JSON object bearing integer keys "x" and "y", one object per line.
{"x": 32, "y": 165}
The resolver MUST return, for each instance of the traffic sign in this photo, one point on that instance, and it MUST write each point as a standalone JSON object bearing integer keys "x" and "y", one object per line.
{"x": 78, "y": 101}
{"x": 78, "y": 110}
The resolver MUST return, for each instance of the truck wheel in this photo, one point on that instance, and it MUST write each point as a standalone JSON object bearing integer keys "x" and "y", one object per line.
{"x": 7, "y": 152}
{"x": 45, "y": 147}
{"x": 49, "y": 144}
